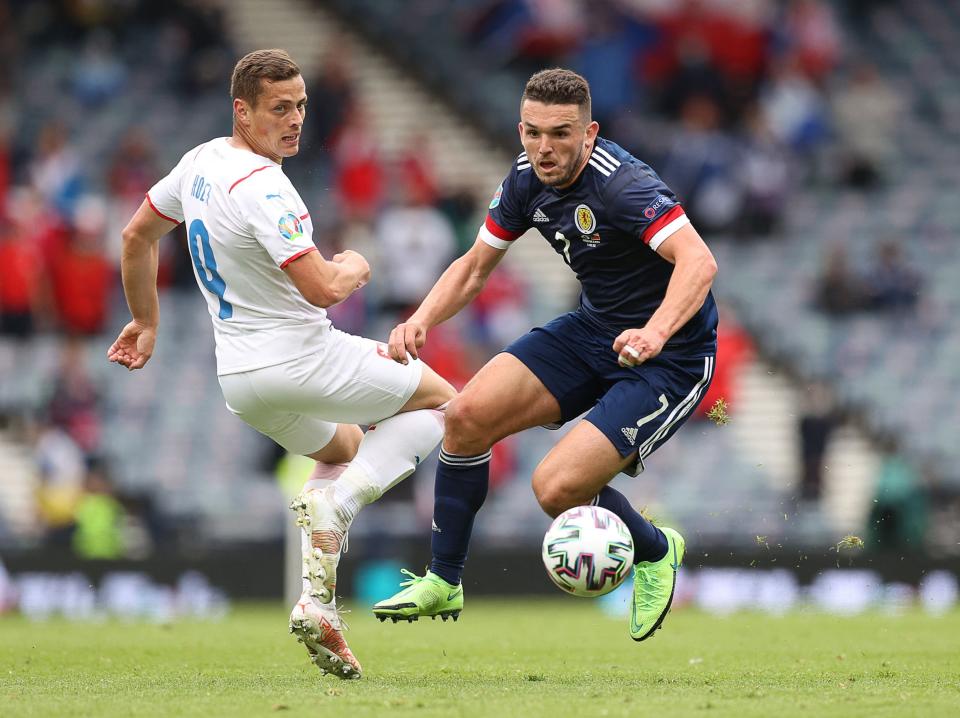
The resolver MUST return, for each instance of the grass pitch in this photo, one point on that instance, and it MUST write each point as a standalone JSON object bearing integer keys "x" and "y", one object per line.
{"x": 535, "y": 658}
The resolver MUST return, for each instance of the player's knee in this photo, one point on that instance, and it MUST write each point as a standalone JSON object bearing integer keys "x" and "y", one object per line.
{"x": 554, "y": 496}
{"x": 342, "y": 447}
{"x": 464, "y": 432}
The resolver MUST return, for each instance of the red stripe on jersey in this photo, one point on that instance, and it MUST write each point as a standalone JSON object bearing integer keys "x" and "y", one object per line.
{"x": 661, "y": 222}
{"x": 159, "y": 213}
{"x": 305, "y": 216}
{"x": 499, "y": 232}
{"x": 265, "y": 167}
{"x": 297, "y": 256}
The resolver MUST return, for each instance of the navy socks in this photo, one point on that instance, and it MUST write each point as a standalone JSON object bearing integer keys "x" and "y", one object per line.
{"x": 649, "y": 543}
{"x": 459, "y": 492}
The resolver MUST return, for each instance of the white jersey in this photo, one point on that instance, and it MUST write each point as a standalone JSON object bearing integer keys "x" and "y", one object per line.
{"x": 245, "y": 223}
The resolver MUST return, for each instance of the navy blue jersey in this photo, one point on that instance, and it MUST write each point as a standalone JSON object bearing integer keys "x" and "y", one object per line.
{"x": 607, "y": 227}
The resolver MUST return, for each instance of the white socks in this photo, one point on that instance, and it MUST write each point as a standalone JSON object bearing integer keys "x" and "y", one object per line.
{"x": 388, "y": 453}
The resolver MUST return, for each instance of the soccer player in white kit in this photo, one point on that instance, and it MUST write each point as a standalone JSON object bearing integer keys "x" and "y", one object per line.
{"x": 283, "y": 368}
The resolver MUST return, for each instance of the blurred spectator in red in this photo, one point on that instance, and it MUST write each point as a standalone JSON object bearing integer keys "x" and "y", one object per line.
{"x": 358, "y": 171}
{"x": 82, "y": 276}
{"x": 707, "y": 47}
{"x": 133, "y": 169}
{"x": 813, "y": 36}
{"x": 47, "y": 232}
{"x": 20, "y": 277}
{"x": 865, "y": 113}
{"x": 448, "y": 355}
{"x": 415, "y": 173}
{"x": 525, "y": 34}
{"x": 735, "y": 349}
{"x": 132, "y": 172}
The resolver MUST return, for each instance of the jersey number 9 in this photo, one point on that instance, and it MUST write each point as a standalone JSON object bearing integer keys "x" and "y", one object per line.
{"x": 206, "y": 263}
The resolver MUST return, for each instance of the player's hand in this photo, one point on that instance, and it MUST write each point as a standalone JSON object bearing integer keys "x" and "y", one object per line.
{"x": 635, "y": 346}
{"x": 356, "y": 260}
{"x": 407, "y": 338}
{"x": 134, "y": 347}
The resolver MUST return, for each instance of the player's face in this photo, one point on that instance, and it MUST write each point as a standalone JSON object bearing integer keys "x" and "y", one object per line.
{"x": 557, "y": 140}
{"x": 272, "y": 126}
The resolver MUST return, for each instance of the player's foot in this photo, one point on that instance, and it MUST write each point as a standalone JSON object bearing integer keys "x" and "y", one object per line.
{"x": 320, "y": 629}
{"x": 319, "y": 515}
{"x": 427, "y": 595}
{"x": 653, "y": 586}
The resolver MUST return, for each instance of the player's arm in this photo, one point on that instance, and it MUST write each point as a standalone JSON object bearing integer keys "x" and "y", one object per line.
{"x": 457, "y": 286}
{"x": 693, "y": 273}
{"x": 324, "y": 283}
{"x": 138, "y": 267}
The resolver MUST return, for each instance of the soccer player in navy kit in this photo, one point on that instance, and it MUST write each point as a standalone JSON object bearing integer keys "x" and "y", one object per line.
{"x": 637, "y": 354}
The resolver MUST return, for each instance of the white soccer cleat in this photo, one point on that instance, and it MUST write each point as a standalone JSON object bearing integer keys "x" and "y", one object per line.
{"x": 320, "y": 630}
{"x": 320, "y": 518}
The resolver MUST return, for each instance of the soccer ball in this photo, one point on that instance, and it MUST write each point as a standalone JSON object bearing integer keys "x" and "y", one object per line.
{"x": 587, "y": 551}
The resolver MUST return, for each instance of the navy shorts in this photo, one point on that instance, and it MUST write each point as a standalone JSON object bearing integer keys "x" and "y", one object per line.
{"x": 637, "y": 408}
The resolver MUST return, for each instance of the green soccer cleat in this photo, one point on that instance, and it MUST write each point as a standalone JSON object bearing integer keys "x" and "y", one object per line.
{"x": 653, "y": 586}
{"x": 427, "y": 595}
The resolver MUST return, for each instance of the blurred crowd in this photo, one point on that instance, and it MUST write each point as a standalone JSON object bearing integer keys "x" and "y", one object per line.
{"x": 62, "y": 211}
{"x": 734, "y": 103}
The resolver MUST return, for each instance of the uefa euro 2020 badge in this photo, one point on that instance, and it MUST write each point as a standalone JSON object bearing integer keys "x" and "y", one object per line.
{"x": 289, "y": 226}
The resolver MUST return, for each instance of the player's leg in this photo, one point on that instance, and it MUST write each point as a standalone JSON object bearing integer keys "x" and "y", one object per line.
{"x": 393, "y": 447}
{"x": 630, "y": 421}
{"x": 544, "y": 377}
{"x": 317, "y": 626}
{"x": 508, "y": 395}
{"x": 371, "y": 386}
{"x": 504, "y": 398}
{"x": 577, "y": 472}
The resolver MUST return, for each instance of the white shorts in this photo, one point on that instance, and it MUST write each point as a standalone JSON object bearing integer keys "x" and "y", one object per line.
{"x": 298, "y": 404}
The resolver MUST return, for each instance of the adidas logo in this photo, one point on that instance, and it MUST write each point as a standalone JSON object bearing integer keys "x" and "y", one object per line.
{"x": 433, "y": 524}
{"x": 539, "y": 216}
{"x": 631, "y": 433}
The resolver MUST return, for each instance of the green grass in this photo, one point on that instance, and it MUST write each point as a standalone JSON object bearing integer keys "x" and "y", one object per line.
{"x": 503, "y": 659}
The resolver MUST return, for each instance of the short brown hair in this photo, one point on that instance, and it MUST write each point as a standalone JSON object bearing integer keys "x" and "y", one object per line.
{"x": 557, "y": 86}
{"x": 274, "y": 65}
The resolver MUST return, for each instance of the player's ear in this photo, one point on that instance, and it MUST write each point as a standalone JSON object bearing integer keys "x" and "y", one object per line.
{"x": 592, "y": 129}
{"x": 241, "y": 110}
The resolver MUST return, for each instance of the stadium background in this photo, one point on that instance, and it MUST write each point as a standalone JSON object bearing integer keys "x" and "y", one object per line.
{"x": 810, "y": 141}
